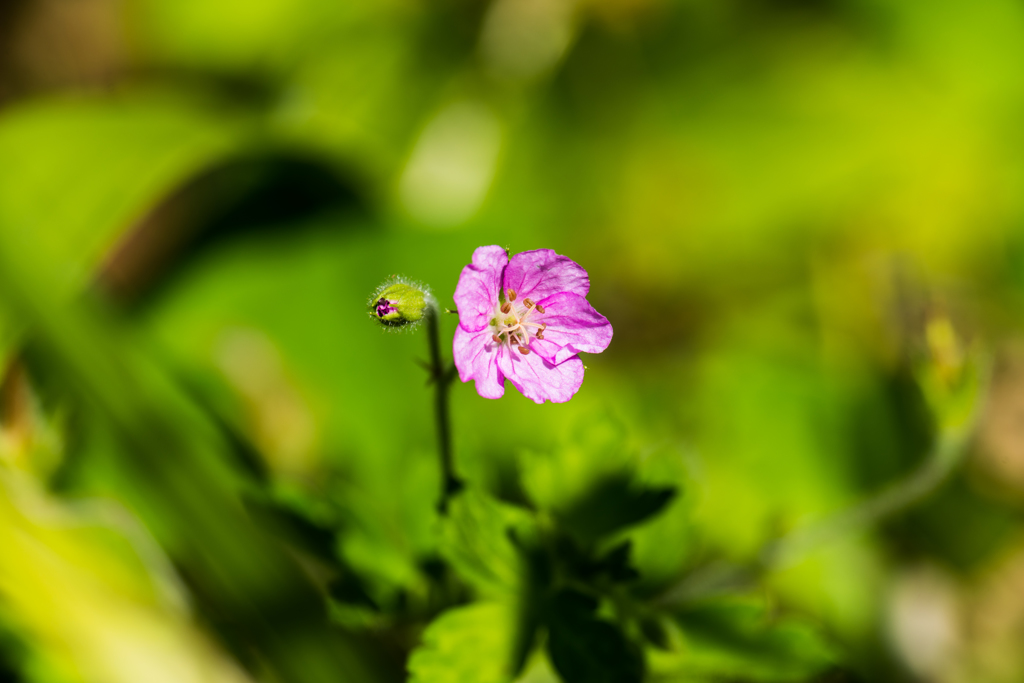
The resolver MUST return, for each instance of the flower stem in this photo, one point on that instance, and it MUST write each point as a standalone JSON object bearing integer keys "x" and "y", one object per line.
{"x": 442, "y": 377}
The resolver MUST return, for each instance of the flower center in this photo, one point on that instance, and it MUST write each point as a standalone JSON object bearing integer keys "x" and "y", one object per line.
{"x": 385, "y": 307}
{"x": 512, "y": 323}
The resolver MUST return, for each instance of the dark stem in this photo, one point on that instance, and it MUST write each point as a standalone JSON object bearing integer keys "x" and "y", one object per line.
{"x": 442, "y": 377}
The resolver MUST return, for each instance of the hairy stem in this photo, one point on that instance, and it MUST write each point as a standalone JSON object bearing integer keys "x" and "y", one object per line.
{"x": 441, "y": 376}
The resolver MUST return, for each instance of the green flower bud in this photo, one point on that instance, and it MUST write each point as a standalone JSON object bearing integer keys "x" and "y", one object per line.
{"x": 398, "y": 302}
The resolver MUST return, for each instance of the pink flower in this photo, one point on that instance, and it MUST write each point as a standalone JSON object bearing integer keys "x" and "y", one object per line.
{"x": 525, "y": 320}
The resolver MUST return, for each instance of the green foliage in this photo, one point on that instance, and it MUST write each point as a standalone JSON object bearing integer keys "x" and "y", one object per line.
{"x": 89, "y": 167}
{"x": 741, "y": 639}
{"x": 478, "y": 540}
{"x": 802, "y": 219}
{"x": 529, "y": 564}
{"x": 612, "y": 505}
{"x": 583, "y": 647}
{"x": 466, "y": 644}
{"x": 590, "y": 485}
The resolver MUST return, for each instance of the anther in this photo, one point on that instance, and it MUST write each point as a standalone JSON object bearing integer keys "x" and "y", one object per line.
{"x": 511, "y": 295}
{"x": 496, "y": 338}
{"x": 540, "y": 335}
{"x": 540, "y": 309}
{"x": 506, "y": 307}
{"x": 528, "y": 302}
{"x": 523, "y": 350}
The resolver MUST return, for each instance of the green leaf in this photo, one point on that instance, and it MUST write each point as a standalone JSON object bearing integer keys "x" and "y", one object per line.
{"x": 584, "y": 565}
{"x": 466, "y": 644}
{"x": 592, "y": 484}
{"x": 739, "y": 638}
{"x": 661, "y": 546}
{"x": 616, "y": 563}
{"x": 585, "y": 649}
{"x": 88, "y": 168}
{"x": 612, "y": 505}
{"x": 476, "y": 538}
{"x": 494, "y": 548}
{"x": 596, "y": 449}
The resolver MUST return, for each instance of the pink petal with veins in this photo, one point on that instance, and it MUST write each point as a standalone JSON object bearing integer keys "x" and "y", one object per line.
{"x": 539, "y": 380}
{"x": 490, "y": 353}
{"x": 477, "y": 291}
{"x": 573, "y": 326}
{"x": 541, "y": 273}
{"x": 476, "y": 356}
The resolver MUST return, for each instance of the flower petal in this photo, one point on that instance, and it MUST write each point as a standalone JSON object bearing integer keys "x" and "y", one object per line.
{"x": 541, "y": 273}
{"x": 476, "y": 357}
{"x": 477, "y": 292}
{"x": 573, "y": 326}
{"x": 539, "y": 380}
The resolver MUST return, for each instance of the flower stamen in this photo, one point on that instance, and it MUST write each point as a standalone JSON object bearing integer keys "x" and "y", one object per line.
{"x": 512, "y": 325}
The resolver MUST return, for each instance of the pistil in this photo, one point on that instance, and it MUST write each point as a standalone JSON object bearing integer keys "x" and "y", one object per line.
{"x": 513, "y": 323}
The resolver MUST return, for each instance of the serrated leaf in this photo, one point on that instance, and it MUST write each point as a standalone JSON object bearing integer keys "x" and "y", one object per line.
{"x": 586, "y": 649}
{"x": 661, "y": 545}
{"x": 476, "y": 540}
{"x": 466, "y": 644}
{"x": 611, "y": 505}
{"x": 491, "y": 546}
{"x": 613, "y": 565}
{"x": 592, "y": 484}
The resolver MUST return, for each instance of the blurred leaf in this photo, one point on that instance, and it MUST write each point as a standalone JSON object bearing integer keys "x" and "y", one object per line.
{"x": 494, "y": 547}
{"x": 237, "y": 36}
{"x": 93, "y": 564}
{"x": 590, "y": 482}
{"x": 390, "y": 526}
{"x": 767, "y": 459}
{"x": 153, "y": 449}
{"x": 585, "y": 649}
{"x": 660, "y": 547}
{"x": 616, "y": 564}
{"x": 351, "y": 605}
{"x": 87, "y": 168}
{"x": 612, "y": 505}
{"x": 476, "y": 538}
{"x": 592, "y": 565}
{"x": 466, "y": 644}
{"x": 739, "y": 638}
{"x": 655, "y": 632}
{"x": 538, "y": 575}
{"x": 596, "y": 448}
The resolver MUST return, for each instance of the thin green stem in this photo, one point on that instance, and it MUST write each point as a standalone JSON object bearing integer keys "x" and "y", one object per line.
{"x": 441, "y": 375}
{"x": 949, "y": 452}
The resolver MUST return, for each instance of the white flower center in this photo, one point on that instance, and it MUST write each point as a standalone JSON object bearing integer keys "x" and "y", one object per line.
{"x": 512, "y": 323}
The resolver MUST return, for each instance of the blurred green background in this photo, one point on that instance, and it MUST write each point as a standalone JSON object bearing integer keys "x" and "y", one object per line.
{"x": 804, "y": 218}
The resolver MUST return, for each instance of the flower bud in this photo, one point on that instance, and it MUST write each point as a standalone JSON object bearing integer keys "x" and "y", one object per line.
{"x": 398, "y": 302}
{"x": 951, "y": 372}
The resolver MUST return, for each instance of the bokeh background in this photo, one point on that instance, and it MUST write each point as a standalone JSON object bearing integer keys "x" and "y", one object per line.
{"x": 804, "y": 218}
